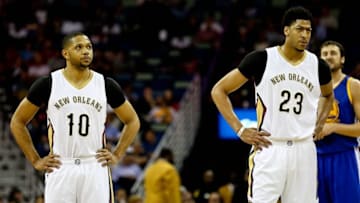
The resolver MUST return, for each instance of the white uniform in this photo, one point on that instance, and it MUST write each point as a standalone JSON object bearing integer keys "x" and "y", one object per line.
{"x": 76, "y": 124}
{"x": 287, "y": 99}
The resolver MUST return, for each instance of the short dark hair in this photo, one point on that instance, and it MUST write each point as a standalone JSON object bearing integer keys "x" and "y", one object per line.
{"x": 68, "y": 37}
{"x": 165, "y": 153}
{"x": 296, "y": 13}
{"x": 335, "y": 43}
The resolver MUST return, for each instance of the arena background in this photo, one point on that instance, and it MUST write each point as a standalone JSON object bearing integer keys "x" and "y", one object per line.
{"x": 169, "y": 44}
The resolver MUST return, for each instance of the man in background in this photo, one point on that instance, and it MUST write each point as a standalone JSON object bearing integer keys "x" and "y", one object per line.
{"x": 162, "y": 180}
{"x": 337, "y": 147}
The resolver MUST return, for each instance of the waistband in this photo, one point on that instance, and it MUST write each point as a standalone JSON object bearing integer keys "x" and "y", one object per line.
{"x": 290, "y": 142}
{"x": 78, "y": 161}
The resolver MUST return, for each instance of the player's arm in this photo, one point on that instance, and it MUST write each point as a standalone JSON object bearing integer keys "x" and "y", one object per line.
{"x": 127, "y": 115}
{"x": 130, "y": 119}
{"x": 21, "y": 117}
{"x": 326, "y": 98}
{"x": 228, "y": 84}
{"x": 220, "y": 95}
{"x": 23, "y": 114}
{"x": 350, "y": 130}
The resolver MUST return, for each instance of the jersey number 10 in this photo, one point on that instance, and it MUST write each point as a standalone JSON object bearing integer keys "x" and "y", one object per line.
{"x": 83, "y": 124}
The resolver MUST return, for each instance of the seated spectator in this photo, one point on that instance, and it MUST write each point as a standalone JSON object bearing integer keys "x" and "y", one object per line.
{"x": 15, "y": 196}
{"x": 149, "y": 141}
{"x": 206, "y": 187}
{"x": 214, "y": 197}
{"x": 126, "y": 172}
{"x": 161, "y": 113}
{"x": 120, "y": 195}
{"x": 169, "y": 99}
{"x": 186, "y": 196}
{"x": 145, "y": 102}
{"x": 143, "y": 105}
{"x": 226, "y": 190}
{"x": 139, "y": 154}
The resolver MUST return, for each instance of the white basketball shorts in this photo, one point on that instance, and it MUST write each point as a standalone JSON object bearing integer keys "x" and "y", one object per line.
{"x": 81, "y": 180}
{"x": 287, "y": 170}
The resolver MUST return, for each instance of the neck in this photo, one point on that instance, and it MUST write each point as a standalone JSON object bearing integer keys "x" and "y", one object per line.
{"x": 75, "y": 74}
{"x": 291, "y": 54}
{"x": 77, "y": 77}
{"x": 337, "y": 77}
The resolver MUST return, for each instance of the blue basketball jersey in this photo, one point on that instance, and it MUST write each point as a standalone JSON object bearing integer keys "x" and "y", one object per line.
{"x": 342, "y": 112}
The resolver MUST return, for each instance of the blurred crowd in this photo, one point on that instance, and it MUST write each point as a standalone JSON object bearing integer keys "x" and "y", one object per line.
{"x": 148, "y": 45}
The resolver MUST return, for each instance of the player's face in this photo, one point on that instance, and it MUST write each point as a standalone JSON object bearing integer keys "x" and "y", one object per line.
{"x": 298, "y": 34}
{"x": 331, "y": 54}
{"x": 80, "y": 51}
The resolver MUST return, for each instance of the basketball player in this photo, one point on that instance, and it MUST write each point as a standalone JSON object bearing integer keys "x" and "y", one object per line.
{"x": 338, "y": 155}
{"x": 293, "y": 98}
{"x": 76, "y": 98}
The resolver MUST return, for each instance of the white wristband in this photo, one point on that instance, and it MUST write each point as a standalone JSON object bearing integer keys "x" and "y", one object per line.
{"x": 240, "y": 132}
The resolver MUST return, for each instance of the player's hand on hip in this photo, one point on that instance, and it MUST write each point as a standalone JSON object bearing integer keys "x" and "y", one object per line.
{"x": 48, "y": 163}
{"x": 257, "y": 138}
{"x": 106, "y": 158}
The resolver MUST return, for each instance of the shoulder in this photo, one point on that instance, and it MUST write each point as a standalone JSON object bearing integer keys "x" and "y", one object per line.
{"x": 98, "y": 76}
{"x": 42, "y": 82}
{"x": 254, "y": 59}
{"x": 97, "y": 73}
{"x": 314, "y": 59}
{"x": 110, "y": 80}
{"x": 111, "y": 83}
{"x": 258, "y": 54}
{"x": 354, "y": 84}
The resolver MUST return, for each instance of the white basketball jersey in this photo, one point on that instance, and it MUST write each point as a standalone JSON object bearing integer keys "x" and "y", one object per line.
{"x": 287, "y": 96}
{"x": 76, "y": 117}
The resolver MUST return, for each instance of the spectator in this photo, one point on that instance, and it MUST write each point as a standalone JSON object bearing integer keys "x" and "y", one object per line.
{"x": 207, "y": 186}
{"x": 214, "y": 197}
{"x": 226, "y": 191}
{"x": 139, "y": 154}
{"x": 150, "y": 141}
{"x": 15, "y": 196}
{"x": 186, "y": 196}
{"x": 169, "y": 99}
{"x": 146, "y": 101}
{"x": 120, "y": 195}
{"x": 126, "y": 172}
{"x": 162, "y": 180}
{"x": 161, "y": 113}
